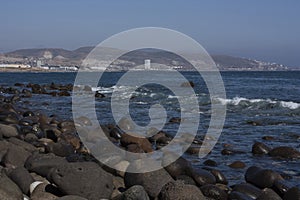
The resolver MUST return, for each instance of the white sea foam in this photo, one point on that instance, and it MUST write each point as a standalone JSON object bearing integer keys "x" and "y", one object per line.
{"x": 290, "y": 104}
{"x": 237, "y": 100}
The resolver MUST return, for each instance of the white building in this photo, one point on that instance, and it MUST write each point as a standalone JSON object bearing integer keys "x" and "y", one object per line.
{"x": 148, "y": 64}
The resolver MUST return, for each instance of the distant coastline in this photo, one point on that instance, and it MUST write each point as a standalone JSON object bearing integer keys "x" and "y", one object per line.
{"x": 61, "y": 60}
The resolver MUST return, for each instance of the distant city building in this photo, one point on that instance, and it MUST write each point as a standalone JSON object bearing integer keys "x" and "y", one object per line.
{"x": 148, "y": 64}
{"x": 38, "y": 63}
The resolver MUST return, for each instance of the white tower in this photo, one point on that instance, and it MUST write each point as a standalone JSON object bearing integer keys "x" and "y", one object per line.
{"x": 148, "y": 64}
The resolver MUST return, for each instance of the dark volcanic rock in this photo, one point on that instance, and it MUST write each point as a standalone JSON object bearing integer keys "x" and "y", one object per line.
{"x": 203, "y": 177}
{"x": 268, "y": 194}
{"x": 248, "y": 190}
{"x": 136, "y": 192}
{"x": 262, "y": 178}
{"x": 8, "y": 189}
{"x": 260, "y": 148}
{"x": 15, "y": 156}
{"x": 127, "y": 139}
{"x": 85, "y": 179}
{"x": 238, "y": 196}
{"x": 22, "y": 178}
{"x": 213, "y": 192}
{"x": 177, "y": 190}
{"x": 281, "y": 187}
{"x": 284, "y": 152}
{"x": 211, "y": 163}
{"x": 219, "y": 176}
{"x": 179, "y": 167}
{"x": 43, "y": 163}
{"x": 151, "y": 181}
{"x": 237, "y": 165}
{"x": 20, "y": 143}
{"x": 8, "y": 131}
{"x": 292, "y": 194}
{"x": 61, "y": 148}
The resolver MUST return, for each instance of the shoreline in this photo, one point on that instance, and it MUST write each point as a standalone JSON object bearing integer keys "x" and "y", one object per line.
{"x": 47, "y": 149}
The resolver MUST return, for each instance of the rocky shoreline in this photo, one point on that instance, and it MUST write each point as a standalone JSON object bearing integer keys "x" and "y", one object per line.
{"x": 42, "y": 157}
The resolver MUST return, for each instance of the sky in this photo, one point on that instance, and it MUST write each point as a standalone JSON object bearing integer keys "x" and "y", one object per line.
{"x": 267, "y": 30}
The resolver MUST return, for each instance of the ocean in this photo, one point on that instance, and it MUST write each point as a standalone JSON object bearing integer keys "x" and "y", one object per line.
{"x": 258, "y": 104}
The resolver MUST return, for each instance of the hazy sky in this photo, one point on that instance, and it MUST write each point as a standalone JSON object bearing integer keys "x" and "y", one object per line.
{"x": 268, "y": 30}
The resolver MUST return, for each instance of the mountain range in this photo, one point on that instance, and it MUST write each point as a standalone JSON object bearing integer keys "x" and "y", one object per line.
{"x": 63, "y": 57}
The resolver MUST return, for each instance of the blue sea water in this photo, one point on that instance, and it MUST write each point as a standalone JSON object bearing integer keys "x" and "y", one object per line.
{"x": 258, "y": 104}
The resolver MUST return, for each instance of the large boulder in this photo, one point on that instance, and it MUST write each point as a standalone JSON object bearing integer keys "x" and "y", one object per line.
{"x": 8, "y": 189}
{"x": 85, "y": 179}
{"x": 15, "y": 156}
{"x": 43, "y": 163}
{"x": 151, "y": 181}
{"x": 177, "y": 190}
{"x": 262, "y": 178}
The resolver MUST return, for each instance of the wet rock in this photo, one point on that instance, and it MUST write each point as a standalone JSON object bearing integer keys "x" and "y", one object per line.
{"x": 248, "y": 190}
{"x": 188, "y": 84}
{"x": 203, "y": 177}
{"x": 127, "y": 139}
{"x": 281, "y": 187}
{"x": 176, "y": 190}
{"x": 43, "y": 163}
{"x": 292, "y": 194}
{"x": 268, "y": 194}
{"x": 238, "y": 196}
{"x": 179, "y": 167}
{"x": 15, "y": 156}
{"x": 175, "y": 120}
{"x": 26, "y": 93}
{"x": 210, "y": 163}
{"x": 262, "y": 178}
{"x": 151, "y": 181}
{"x": 63, "y": 93}
{"x": 228, "y": 151}
{"x": 19, "y": 84}
{"x": 22, "y": 178}
{"x": 260, "y": 148}
{"x": 85, "y": 179}
{"x": 285, "y": 152}
{"x": 213, "y": 192}
{"x": 99, "y": 95}
{"x": 37, "y": 89}
{"x": 237, "y": 165}
{"x": 8, "y": 131}
{"x": 268, "y": 138}
{"x": 8, "y": 189}
{"x": 219, "y": 176}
